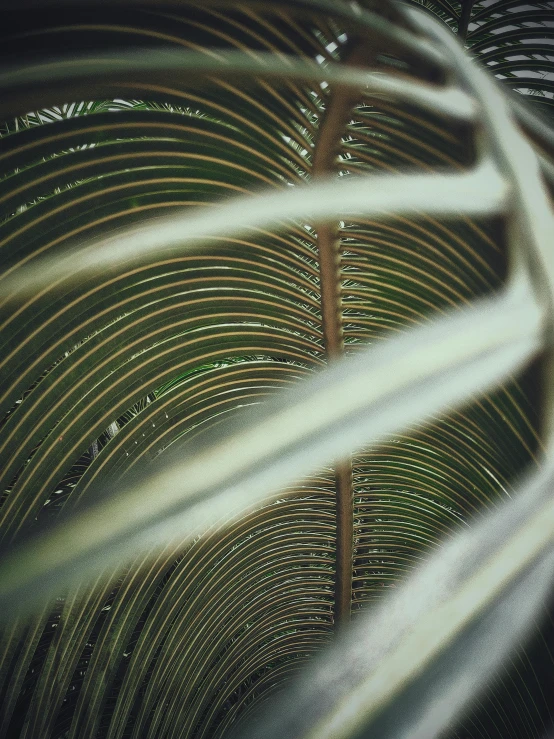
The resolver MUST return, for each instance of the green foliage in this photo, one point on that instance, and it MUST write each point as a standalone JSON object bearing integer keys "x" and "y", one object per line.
{"x": 150, "y": 304}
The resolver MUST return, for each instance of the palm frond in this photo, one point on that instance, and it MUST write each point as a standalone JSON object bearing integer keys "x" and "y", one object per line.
{"x": 207, "y": 205}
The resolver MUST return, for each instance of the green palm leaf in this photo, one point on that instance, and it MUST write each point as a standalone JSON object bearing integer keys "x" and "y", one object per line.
{"x": 201, "y": 207}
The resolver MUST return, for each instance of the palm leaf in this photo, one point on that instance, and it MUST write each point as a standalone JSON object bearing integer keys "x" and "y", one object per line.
{"x": 177, "y": 245}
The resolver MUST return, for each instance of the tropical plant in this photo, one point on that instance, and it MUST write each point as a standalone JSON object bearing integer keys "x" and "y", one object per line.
{"x": 276, "y": 314}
